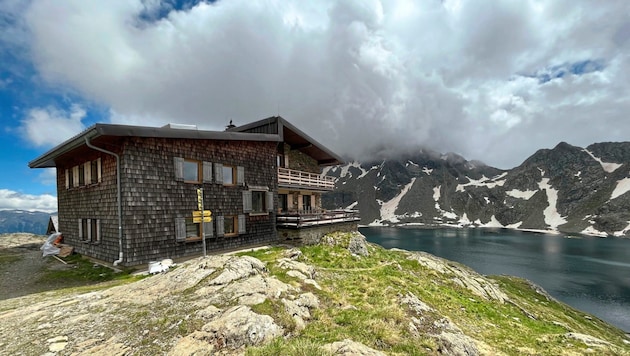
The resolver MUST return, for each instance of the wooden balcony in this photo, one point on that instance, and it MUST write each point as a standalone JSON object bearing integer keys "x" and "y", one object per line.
{"x": 289, "y": 178}
{"x": 300, "y": 219}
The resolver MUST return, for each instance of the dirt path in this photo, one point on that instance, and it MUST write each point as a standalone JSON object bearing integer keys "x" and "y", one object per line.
{"x": 22, "y": 265}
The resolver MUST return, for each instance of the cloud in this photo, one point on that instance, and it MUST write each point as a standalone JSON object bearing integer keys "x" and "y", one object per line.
{"x": 14, "y": 200}
{"x": 359, "y": 76}
{"x": 48, "y": 176}
{"x": 36, "y": 127}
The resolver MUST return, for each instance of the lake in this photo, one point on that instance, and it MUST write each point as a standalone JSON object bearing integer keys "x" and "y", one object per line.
{"x": 589, "y": 273}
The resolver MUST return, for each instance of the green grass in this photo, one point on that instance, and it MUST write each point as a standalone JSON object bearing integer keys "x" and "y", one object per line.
{"x": 360, "y": 300}
{"x": 80, "y": 269}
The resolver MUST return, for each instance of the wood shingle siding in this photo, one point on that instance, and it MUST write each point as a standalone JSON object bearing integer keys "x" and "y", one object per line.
{"x": 156, "y": 200}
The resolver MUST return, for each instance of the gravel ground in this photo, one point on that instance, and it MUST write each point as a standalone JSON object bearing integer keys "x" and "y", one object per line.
{"x": 22, "y": 265}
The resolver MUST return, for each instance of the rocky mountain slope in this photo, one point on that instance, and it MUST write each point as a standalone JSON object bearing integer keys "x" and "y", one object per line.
{"x": 567, "y": 188}
{"x": 35, "y": 222}
{"x": 341, "y": 297}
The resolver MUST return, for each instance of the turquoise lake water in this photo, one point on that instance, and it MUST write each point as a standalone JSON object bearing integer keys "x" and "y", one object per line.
{"x": 589, "y": 273}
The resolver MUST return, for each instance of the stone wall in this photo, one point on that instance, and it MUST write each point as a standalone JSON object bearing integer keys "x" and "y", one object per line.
{"x": 312, "y": 235}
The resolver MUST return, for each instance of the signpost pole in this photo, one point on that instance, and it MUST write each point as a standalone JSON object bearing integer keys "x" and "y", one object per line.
{"x": 200, "y": 203}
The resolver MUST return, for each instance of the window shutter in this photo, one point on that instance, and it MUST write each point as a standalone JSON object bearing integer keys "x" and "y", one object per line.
{"x": 207, "y": 230}
{"x": 80, "y": 229}
{"x": 98, "y": 169}
{"x": 98, "y": 230}
{"x": 240, "y": 175}
{"x": 269, "y": 201}
{"x": 75, "y": 175}
{"x": 89, "y": 230}
{"x": 218, "y": 173}
{"x": 241, "y": 224}
{"x": 67, "y": 179}
{"x": 247, "y": 201}
{"x": 220, "y": 226}
{"x": 87, "y": 173}
{"x": 180, "y": 229}
{"x": 207, "y": 172}
{"x": 179, "y": 168}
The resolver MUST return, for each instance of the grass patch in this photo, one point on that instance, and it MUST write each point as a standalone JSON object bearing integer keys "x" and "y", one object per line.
{"x": 80, "y": 269}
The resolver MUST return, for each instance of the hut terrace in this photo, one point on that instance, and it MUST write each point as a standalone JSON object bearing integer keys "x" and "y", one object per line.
{"x": 127, "y": 193}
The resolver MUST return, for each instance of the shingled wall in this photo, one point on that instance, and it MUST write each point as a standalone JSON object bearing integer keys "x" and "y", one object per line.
{"x": 152, "y": 198}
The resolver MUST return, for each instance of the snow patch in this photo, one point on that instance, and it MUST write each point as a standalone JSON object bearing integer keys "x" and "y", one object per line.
{"x": 593, "y": 232}
{"x": 436, "y": 192}
{"x": 345, "y": 170}
{"x": 487, "y": 200}
{"x": 515, "y": 225}
{"x": 427, "y": 170}
{"x": 482, "y": 182}
{"x": 520, "y": 194}
{"x": 552, "y": 217}
{"x": 388, "y": 208}
{"x": 623, "y": 186}
{"x": 492, "y": 223}
{"x": 607, "y": 167}
{"x": 464, "y": 220}
{"x": 622, "y": 232}
{"x": 352, "y": 206}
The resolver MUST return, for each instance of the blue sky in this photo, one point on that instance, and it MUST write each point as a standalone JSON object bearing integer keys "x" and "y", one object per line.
{"x": 492, "y": 81}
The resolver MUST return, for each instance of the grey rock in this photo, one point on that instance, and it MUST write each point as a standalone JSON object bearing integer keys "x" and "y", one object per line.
{"x": 239, "y": 326}
{"x": 348, "y": 347}
{"x": 358, "y": 245}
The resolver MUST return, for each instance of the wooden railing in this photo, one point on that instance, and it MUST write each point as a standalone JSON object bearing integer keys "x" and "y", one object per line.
{"x": 299, "y": 219}
{"x": 293, "y": 178}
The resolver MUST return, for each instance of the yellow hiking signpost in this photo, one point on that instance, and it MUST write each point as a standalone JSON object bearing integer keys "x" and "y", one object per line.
{"x": 201, "y": 216}
{"x": 207, "y": 216}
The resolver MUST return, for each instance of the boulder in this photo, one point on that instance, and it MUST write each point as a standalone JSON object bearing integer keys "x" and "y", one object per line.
{"x": 238, "y": 327}
{"x": 348, "y": 347}
{"x": 357, "y": 245}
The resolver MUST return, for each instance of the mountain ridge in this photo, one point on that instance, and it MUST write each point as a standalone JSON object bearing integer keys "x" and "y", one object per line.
{"x": 566, "y": 189}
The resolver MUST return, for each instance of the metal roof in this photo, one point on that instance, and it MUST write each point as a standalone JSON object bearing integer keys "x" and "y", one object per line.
{"x": 297, "y": 139}
{"x": 47, "y": 160}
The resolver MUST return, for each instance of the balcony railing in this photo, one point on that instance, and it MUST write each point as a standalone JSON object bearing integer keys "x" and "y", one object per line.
{"x": 292, "y": 178}
{"x": 299, "y": 219}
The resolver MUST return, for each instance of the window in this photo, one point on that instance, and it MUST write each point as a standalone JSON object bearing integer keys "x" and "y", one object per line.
{"x": 90, "y": 230}
{"x": 259, "y": 200}
{"x": 230, "y": 225}
{"x": 95, "y": 171}
{"x": 84, "y": 174}
{"x": 228, "y": 175}
{"x": 192, "y": 229}
{"x": 283, "y": 201}
{"x": 191, "y": 171}
{"x": 306, "y": 202}
{"x": 188, "y": 231}
{"x": 83, "y": 229}
{"x": 95, "y": 231}
{"x": 81, "y": 175}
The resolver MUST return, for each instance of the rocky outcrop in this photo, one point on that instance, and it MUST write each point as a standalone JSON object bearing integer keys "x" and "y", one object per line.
{"x": 461, "y": 275}
{"x": 568, "y": 189}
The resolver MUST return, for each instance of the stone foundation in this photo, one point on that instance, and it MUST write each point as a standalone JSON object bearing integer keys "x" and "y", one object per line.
{"x": 313, "y": 234}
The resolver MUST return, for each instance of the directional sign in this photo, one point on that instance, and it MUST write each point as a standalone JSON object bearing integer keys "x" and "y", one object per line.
{"x": 205, "y": 219}
{"x": 197, "y": 213}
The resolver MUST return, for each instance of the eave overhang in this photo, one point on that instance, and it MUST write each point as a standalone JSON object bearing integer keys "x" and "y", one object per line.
{"x": 98, "y": 131}
{"x": 294, "y": 137}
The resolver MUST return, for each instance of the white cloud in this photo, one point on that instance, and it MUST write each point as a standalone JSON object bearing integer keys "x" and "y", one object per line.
{"x": 48, "y": 176}
{"x": 38, "y": 124}
{"x": 14, "y": 200}
{"x": 360, "y": 76}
